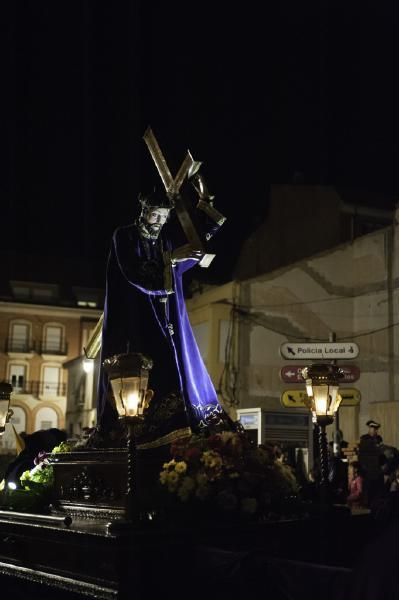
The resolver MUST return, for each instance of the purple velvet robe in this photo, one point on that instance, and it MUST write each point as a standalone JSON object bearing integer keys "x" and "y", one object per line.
{"x": 136, "y": 319}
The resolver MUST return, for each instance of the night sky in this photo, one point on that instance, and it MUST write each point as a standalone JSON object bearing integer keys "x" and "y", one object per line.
{"x": 259, "y": 93}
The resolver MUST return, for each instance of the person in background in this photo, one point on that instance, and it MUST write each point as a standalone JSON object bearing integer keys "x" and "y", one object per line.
{"x": 394, "y": 486}
{"x": 356, "y": 498}
{"x": 371, "y": 458}
{"x": 372, "y": 435}
{"x": 337, "y": 476}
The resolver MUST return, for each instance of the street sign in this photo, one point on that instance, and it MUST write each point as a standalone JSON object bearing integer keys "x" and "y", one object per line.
{"x": 350, "y": 396}
{"x": 296, "y": 398}
{"x": 293, "y": 398}
{"x": 293, "y": 373}
{"x": 318, "y": 350}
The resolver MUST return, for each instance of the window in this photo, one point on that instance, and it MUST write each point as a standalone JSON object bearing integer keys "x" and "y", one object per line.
{"x": 53, "y": 339}
{"x": 88, "y": 297}
{"x": 21, "y": 292}
{"x": 51, "y": 381}
{"x": 19, "y": 337}
{"x": 17, "y": 377}
{"x": 46, "y": 418}
{"x": 46, "y": 424}
{"x": 28, "y": 291}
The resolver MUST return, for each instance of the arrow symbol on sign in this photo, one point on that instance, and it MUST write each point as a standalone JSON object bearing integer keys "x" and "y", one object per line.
{"x": 291, "y": 351}
{"x": 290, "y": 373}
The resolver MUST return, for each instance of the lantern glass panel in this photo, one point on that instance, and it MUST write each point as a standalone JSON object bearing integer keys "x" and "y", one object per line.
{"x": 309, "y": 387}
{"x": 335, "y": 399}
{"x": 321, "y": 399}
{"x": 129, "y": 394}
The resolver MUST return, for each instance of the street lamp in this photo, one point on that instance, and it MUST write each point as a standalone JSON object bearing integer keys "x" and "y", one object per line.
{"x": 5, "y": 411}
{"x": 88, "y": 365}
{"x": 128, "y": 375}
{"x": 322, "y": 384}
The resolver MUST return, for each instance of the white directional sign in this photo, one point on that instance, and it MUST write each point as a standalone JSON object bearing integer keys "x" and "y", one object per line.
{"x": 318, "y": 350}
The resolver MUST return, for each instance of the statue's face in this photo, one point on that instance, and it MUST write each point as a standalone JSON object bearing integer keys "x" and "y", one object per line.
{"x": 155, "y": 218}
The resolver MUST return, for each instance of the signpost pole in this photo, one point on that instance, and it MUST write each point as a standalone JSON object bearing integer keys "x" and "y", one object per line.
{"x": 337, "y": 436}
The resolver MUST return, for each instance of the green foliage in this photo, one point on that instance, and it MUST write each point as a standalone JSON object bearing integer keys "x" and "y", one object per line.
{"x": 63, "y": 447}
{"x": 42, "y": 475}
{"x": 37, "y": 485}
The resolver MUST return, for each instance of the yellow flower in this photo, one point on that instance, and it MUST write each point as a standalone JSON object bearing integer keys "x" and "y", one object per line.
{"x": 172, "y": 477}
{"x": 169, "y": 464}
{"x": 211, "y": 459}
{"x": 163, "y": 477}
{"x": 181, "y": 467}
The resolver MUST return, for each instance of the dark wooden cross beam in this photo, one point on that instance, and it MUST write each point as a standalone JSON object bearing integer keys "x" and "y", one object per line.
{"x": 186, "y": 215}
{"x": 184, "y": 209}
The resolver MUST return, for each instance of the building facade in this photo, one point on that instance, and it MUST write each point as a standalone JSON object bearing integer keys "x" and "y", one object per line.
{"x": 36, "y": 340}
{"x": 350, "y": 291}
{"x": 347, "y": 293}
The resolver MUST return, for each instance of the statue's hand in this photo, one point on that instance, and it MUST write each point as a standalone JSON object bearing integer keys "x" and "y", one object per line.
{"x": 186, "y": 252}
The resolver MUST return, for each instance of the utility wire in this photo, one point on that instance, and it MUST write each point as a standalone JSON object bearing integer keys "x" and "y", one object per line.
{"x": 257, "y": 319}
{"x": 315, "y": 301}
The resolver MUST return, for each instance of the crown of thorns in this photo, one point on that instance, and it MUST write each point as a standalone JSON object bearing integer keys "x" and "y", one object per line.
{"x": 155, "y": 200}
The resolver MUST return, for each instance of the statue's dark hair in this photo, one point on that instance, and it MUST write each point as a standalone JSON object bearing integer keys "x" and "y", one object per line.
{"x": 154, "y": 199}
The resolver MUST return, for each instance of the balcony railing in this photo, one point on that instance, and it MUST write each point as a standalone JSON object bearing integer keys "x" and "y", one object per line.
{"x": 22, "y": 346}
{"x": 39, "y": 388}
{"x": 59, "y": 348}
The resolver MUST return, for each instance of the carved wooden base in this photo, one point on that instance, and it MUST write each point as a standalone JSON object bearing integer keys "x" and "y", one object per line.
{"x": 93, "y": 484}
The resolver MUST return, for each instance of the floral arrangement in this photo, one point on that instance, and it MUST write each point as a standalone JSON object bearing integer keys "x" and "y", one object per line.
{"x": 227, "y": 473}
{"x": 42, "y": 473}
{"x": 35, "y": 492}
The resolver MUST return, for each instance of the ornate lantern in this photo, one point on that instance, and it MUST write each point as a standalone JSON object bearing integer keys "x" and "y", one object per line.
{"x": 128, "y": 375}
{"x": 322, "y": 384}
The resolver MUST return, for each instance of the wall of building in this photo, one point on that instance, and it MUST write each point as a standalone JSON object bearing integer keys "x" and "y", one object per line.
{"x": 81, "y": 395}
{"x": 39, "y": 397}
{"x": 302, "y": 220}
{"x": 350, "y": 290}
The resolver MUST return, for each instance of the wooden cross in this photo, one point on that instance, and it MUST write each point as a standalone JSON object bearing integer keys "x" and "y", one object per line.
{"x": 185, "y": 214}
{"x": 184, "y": 210}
